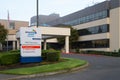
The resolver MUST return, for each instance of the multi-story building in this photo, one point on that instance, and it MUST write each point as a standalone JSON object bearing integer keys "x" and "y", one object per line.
{"x": 11, "y": 43}
{"x": 43, "y": 19}
{"x": 98, "y": 26}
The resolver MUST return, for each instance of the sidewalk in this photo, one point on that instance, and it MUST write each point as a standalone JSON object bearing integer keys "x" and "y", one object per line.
{"x": 7, "y": 76}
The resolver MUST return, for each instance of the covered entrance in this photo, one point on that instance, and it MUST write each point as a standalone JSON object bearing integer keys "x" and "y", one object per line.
{"x": 53, "y": 32}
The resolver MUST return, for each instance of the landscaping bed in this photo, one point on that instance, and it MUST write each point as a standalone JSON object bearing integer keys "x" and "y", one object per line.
{"x": 10, "y": 63}
{"x": 20, "y": 65}
{"x": 67, "y": 64}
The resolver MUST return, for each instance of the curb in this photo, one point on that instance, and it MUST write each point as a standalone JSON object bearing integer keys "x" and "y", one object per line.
{"x": 49, "y": 73}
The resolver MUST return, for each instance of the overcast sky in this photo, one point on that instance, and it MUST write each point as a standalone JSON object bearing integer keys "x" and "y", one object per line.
{"x": 25, "y": 9}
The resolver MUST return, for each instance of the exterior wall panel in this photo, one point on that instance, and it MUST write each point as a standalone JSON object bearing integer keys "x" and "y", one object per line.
{"x": 115, "y": 29}
{"x": 98, "y": 49}
{"x": 12, "y": 38}
{"x": 91, "y": 24}
{"x": 94, "y": 37}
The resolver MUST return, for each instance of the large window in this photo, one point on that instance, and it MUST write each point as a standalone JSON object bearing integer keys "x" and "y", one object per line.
{"x": 92, "y": 17}
{"x": 12, "y": 25}
{"x": 104, "y": 43}
{"x": 94, "y": 30}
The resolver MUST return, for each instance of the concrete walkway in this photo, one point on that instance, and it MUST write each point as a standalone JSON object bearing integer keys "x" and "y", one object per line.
{"x": 6, "y": 76}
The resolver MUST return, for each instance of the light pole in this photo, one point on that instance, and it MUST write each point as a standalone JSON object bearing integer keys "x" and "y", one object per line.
{"x": 37, "y": 13}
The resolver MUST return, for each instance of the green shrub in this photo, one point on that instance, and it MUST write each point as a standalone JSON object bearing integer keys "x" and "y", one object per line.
{"x": 83, "y": 52}
{"x": 44, "y": 54}
{"x": 9, "y": 58}
{"x": 115, "y": 54}
{"x": 119, "y": 50}
{"x": 77, "y": 50}
{"x": 14, "y": 51}
{"x": 53, "y": 55}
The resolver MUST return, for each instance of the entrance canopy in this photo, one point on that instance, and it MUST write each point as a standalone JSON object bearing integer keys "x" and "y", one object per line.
{"x": 53, "y": 32}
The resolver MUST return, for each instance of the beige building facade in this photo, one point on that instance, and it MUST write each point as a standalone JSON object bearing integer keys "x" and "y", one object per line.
{"x": 92, "y": 37}
{"x": 115, "y": 29}
{"x": 11, "y": 43}
{"x": 98, "y": 26}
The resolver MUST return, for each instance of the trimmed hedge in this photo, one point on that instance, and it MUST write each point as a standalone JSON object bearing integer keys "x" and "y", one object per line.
{"x": 9, "y": 58}
{"x": 44, "y": 54}
{"x": 14, "y": 51}
{"x": 51, "y": 55}
{"x": 115, "y": 54}
{"x": 12, "y": 57}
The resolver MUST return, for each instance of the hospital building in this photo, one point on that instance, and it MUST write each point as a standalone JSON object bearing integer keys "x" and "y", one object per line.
{"x": 98, "y": 26}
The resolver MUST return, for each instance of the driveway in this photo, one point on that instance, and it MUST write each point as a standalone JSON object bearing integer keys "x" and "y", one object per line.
{"x": 100, "y": 68}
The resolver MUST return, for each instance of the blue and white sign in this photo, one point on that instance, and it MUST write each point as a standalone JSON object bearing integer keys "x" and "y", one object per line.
{"x": 30, "y": 40}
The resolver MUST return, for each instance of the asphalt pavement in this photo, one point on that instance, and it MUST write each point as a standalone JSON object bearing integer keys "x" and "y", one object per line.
{"x": 100, "y": 68}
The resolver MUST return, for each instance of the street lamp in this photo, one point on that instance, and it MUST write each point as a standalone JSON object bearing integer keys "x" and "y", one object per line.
{"x": 37, "y": 13}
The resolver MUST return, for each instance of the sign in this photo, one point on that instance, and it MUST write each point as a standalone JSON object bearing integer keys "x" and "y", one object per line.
{"x": 30, "y": 40}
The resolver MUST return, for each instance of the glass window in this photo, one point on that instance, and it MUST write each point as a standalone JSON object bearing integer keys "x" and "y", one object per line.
{"x": 12, "y": 25}
{"x": 103, "y": 43}
{"x": 104, "y": 28}
{"x": 94, "y": 30}
{"x": 92, "y": 17}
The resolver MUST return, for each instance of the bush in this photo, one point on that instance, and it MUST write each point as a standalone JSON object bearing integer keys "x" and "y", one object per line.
{"x": 115, "y": 54}
{"x": 14, "y": 51}
{"x": 51, "y": 55}
{"x": 9, "y": 58}
{"x": 77, "y": 50}
{"x": 44, "y": 54}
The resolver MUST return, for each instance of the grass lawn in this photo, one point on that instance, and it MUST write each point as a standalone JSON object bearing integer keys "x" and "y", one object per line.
{"x": 68, "y": 64}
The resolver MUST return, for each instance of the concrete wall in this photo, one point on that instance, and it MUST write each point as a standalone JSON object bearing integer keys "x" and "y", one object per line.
{"x": 18, "y": 24}
{"x": 94, "y": 37}
{"x": 55, "y": 31}
{"x": 92, "y": 24}
{"x": 97, "y": 49}
{"x": 115, "y": 29}
{"x": 12, "y": 37}
{"x": 5, "y": 23}
{"x": 53, "y": 40}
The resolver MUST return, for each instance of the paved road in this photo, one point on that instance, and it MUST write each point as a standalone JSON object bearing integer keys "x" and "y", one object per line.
{"x": 100, "y": 68}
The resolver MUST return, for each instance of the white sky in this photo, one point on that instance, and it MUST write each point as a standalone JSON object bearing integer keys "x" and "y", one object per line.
{"x": 25, "y": 9}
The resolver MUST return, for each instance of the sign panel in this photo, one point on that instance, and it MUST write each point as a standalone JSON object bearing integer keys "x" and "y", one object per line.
{"x": 30, "y": 40}
{"x": 30, "y": 35}
{"x": 30, "y": 50}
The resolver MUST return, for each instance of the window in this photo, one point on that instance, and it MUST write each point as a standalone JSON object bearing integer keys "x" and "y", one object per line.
{"x": 94, "y": 30}
{"x": 12, "y": 25}
{"x": 92, "y": 17}
{"x": 103, "y": 43}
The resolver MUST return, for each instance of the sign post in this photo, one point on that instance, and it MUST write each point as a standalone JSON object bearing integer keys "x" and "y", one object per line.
{"x": 30, "y": 40}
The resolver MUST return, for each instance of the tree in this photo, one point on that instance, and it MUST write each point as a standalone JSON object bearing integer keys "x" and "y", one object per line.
{"x": 73, "y": 38}
{"x": 3, "y": 33}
